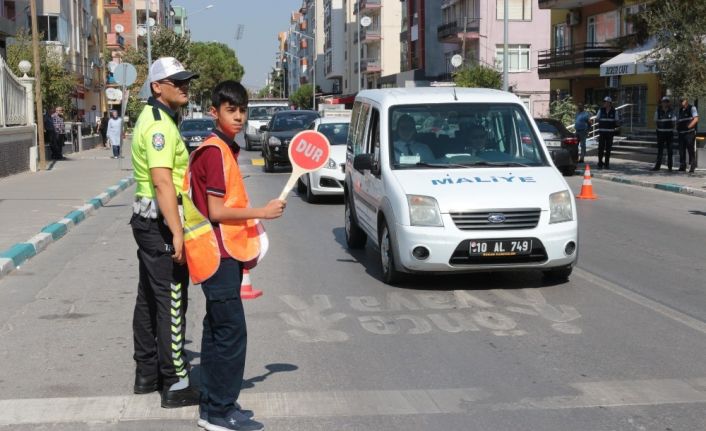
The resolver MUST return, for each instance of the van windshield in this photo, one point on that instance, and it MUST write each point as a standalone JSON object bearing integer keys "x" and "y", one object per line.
{"x": 462, "y": 135}
{"x": 264, "y": 112}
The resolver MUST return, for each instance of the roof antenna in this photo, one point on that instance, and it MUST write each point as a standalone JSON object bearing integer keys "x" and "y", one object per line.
{"x": 455, "y": 98}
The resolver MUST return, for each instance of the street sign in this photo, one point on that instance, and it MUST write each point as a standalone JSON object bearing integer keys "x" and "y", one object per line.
{"x": 125, "y": 74}
{"x": 113, "y": 94}
{"x": 308, "y": 151}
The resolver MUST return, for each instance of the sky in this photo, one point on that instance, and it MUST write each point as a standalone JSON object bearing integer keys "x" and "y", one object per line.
{"x": 262, "y": 21}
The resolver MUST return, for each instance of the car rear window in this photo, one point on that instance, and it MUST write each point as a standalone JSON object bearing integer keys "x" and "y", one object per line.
{"x": 291, "y": 121}
{"x": 337, "y": 133}
{"x": 197, "y": 125}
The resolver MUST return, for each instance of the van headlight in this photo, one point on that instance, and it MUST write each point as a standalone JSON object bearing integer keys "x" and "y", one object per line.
{"x": 274, "y": 142}
{"x": 560, "y": 209}
{"x": 424, "y": 211}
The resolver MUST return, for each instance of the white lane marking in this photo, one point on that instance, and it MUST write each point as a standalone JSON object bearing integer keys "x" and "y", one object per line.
{"x": 655, "y": 306}
{"x": 607, "y": 394}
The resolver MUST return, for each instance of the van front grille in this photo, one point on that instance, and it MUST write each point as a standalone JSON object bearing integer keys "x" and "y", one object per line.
{"x": 503, "y": 219}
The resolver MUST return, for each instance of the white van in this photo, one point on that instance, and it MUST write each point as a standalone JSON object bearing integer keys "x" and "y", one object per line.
{"x": 455, "y": 180}
{"x": 259, "y": 113}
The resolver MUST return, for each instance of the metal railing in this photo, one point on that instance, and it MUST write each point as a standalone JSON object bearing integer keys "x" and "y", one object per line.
{"x": 13, "y": 106}
{"x": 593, "y": 131}
{"x": 575, "y": 57}
{"x": 453, "y": 28}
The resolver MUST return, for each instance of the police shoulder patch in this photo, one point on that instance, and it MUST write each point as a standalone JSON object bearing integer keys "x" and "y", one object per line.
{"x": 158, "y": 141}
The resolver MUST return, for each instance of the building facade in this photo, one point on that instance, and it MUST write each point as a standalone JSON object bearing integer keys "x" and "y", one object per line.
{"x": 588, "y": 59}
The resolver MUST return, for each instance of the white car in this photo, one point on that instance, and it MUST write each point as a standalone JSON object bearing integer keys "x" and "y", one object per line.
{"x": 328, "y": 180}
{"x": 259, "y": 113}
{"x": 486, "y": 197}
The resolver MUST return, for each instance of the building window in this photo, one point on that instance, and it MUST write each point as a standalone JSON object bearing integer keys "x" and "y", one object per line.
{"x": 518, "y": 10}
{"x": 561, "y": 37}
{"x": 48, "y": 29}
{"x": 628, "y": 27}
{"x": 518, "y": 58}
{"x": 602, "y": 27}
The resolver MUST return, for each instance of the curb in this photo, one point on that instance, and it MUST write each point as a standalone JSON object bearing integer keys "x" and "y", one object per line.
{"x": 19, "y": 253}
{"x": 668, "y": 187}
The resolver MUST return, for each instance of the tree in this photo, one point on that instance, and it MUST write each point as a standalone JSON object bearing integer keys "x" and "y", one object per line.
{"x": 166, "y": 43}
{"x": 679, "y": 29}
{"x": 214, "y": 62}
{"x": 563, "y": 110}
{"x": 57, "y": 84}
{"x": 302, "y": 97}
{"x": 478, "y": 76}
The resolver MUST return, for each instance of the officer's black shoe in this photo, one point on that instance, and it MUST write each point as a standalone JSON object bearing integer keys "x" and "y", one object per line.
{"x": 145, "y": 385}
{"x": 682, "y": 169}
{"x": 180, "y": 398}
{"x": 693, "y": 168}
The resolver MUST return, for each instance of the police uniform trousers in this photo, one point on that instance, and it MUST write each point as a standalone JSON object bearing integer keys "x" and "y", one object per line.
{"x": 605, "y": 146}
{"x": 664, "y": 141}
{"x": 159, "y": 320}
{"x": 687, "y": 142}
{"x": 224, "y": 340}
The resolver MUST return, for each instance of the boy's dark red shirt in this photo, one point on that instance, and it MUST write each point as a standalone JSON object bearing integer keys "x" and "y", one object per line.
{"x": 207, "y": 178}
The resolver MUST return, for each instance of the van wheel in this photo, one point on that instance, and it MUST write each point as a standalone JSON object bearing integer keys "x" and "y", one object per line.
{"x": 301, "y": 188}
{"x": 248, "y": 145}
{"x": 269, "y": 165}
{"x": 568, "y": 171}
{"x": 390, "y": 275}
{"x": 355, "y": 236}
{"x": 558, "y": 275}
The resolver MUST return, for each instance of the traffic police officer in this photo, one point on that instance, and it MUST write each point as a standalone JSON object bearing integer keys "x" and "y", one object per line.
{"x": 607, "y": 119}
{"x": 664, "y": 119}
{"x": 160, "y": 159}
{"x": 686, "y": 126}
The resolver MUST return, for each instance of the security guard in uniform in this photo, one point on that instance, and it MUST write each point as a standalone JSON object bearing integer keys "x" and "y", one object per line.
{"x": 664, "y": 119}
{"x": 607, "y": 119}
{"x": 160, "y": 159}
{"x": 687, "y": 120}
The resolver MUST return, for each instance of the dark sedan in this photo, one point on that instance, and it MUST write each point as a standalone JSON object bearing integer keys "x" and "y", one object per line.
{"x": 279, "y": 131}
{"x": 195, "y": 130}
{"x": 558, "y": 138}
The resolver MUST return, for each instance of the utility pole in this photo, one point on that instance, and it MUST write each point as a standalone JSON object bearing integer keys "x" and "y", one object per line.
{"x": 149, "y": 36}
{"x": 463, "y": 43}
{"x": 505, "y": 53}
{"x": 38, "y": 86}
{"x": 313, "y": 61}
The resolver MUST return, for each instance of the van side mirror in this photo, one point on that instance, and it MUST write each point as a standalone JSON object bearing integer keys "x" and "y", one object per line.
{"x": 263, "y": 128}
{"x": 363, "y": 162}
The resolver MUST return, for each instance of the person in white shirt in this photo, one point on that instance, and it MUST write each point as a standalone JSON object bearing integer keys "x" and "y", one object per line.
{"x": 407, "y": 150}
{"x": 115, "y": 132}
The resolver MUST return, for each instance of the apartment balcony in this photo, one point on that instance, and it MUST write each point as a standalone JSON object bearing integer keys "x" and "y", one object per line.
{"x": 368, "y": 5}
{"x": 113, "y": 6}
{"x": 370, "y": 66}
{"x": 114, "y": 41}
{"x": 370, "y": 34}
{"x": 8, "y": 27}
{"x": 573, "y": 61}
{"x": 456, "y": 31}
{"x": 566, "y": 4}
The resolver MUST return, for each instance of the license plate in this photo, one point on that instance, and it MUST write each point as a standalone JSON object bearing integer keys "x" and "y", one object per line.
{"x": 497, "y": 248}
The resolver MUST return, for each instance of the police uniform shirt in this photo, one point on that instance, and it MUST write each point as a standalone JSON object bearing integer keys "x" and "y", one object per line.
{"x": 665, "y": 120}
{"x": 157, "y": 143}
{"x": 685, "y": 117}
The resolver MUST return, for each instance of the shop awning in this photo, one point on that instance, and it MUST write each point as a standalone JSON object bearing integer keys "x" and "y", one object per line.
{"x": 631, "y": 61}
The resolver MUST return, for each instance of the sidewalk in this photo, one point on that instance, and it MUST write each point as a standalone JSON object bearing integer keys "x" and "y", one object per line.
{"x": 38, "y": 208}
{"x": 640, "y": 174}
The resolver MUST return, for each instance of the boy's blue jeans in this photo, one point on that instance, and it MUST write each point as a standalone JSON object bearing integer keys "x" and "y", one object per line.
{"x": 224, "y": 340}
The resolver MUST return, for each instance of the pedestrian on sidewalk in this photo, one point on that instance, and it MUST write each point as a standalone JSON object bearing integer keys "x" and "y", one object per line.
{"x": 59, "y": 133}
{"x": 581, "y": 125}
{"x": 608, "y": 122}
{"x": 665, "y": 120}
{"x": 687, "y": 120}
{"x": 104, "y": 129}
{"x": 219, "y": 194}
{"x": 159, "y": 160}
{"x": 115, "y": 133}
{"x": 49, "y": 131}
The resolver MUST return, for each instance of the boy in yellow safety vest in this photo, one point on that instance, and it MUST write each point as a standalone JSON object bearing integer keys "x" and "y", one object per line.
{"x": 216, "y": 250}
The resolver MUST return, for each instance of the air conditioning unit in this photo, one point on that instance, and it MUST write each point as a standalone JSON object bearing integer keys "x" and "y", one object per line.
{"x": 613, "y": 81}
{"x": 573, "y": 18}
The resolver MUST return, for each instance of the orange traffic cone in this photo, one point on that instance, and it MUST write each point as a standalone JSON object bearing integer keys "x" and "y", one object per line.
{"x": 246, "y": 290}
{"x": 587, "y": 187}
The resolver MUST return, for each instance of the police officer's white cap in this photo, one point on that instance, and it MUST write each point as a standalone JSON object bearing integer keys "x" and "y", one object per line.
{"x": 665, "y": 99}
{"x": 608, "y": 99}
{"x": 169, "y": 68}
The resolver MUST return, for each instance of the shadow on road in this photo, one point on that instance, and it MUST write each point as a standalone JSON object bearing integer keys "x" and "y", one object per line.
{"x": 271, "y": 369}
